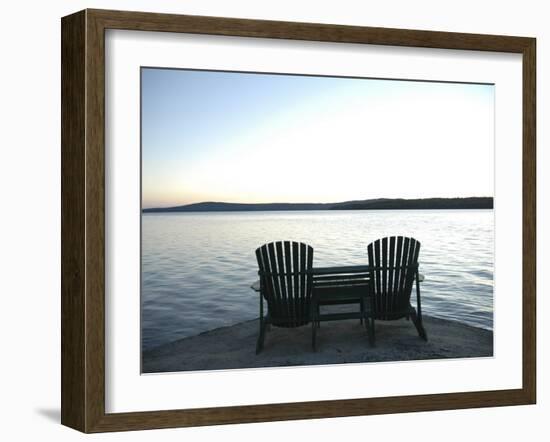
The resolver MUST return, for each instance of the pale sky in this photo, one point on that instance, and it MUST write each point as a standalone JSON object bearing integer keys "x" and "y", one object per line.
{"x": 259, "y": 138}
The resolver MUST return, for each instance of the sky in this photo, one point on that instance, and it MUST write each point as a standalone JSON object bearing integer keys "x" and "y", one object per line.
{"x": 260, "y": 138}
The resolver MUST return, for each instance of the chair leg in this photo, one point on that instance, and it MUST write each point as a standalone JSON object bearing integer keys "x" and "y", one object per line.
{"x": 372, "y": 336}
{"x": 417, "y": 321}
{"x": 261, "y": 337}
{"x": 318, "y": 314}
{"x": 315, "y": 323}
{"x": 369, "y": 321}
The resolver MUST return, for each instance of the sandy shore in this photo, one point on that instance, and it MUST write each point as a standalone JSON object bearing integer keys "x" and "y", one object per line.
{"x": 338, "y": 342}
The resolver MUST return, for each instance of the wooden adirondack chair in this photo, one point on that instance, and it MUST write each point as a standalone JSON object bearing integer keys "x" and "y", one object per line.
{"x": 394, "y": 266}
{"x": 285, "y": 270}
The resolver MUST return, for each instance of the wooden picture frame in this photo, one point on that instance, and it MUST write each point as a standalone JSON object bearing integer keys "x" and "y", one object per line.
{"x": 83, "y": 220}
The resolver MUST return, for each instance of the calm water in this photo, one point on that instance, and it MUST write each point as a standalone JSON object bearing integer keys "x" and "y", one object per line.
{"x": 197, "y": 267}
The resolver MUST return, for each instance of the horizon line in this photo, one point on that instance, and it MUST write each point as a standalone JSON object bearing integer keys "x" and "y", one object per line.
{"x": 315, "y": 202}
{"x": 329, "y": 205}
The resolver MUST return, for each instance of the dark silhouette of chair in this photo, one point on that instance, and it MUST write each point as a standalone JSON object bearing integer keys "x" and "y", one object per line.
{"x": 285, "y": 270}
{"x": 394, "y": 270}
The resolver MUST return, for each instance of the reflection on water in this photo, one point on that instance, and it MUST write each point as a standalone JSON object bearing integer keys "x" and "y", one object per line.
{"x": 197, "y": 267}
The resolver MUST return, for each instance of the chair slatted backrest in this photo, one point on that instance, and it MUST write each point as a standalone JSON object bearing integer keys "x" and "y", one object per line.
{"x": 285, "y": 269}
{"x": 394, "y": 263}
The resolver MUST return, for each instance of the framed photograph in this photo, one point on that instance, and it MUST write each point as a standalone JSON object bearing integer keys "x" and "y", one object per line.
{"x": 270, "y": 220}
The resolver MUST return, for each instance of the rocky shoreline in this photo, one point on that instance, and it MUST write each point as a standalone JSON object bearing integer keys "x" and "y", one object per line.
{"x": 338, "y": 342}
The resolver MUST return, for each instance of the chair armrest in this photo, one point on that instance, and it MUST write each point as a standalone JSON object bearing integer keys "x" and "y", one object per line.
{"x": 256, "y": 286}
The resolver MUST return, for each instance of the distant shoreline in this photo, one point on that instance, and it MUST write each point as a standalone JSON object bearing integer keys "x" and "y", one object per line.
{"x": 373, "y": 204}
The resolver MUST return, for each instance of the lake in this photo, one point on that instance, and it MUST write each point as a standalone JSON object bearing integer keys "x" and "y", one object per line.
{"x": 197, "y": 268}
